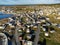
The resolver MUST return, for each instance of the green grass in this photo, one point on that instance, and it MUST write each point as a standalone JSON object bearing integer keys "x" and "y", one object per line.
{"x": 50, "y": 42}
{"x": 52, "y": 39}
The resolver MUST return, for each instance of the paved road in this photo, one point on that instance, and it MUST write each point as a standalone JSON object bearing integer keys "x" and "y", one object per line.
{"x": 37, "y": 35}
{"x": 5, "y": 40}
{"x": 16, "y": 36}
{"x": 30, "y": 17}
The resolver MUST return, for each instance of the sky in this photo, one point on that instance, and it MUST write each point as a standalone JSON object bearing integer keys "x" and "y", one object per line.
{"x": 22, "y": 2}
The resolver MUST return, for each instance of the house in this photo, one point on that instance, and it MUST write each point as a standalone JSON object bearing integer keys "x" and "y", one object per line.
{"x": 2, "y": 27}
{"x": 18, "y": 23}
{"x": 46, "y": 34}
{"x": 58, "y": 25}
{"x": 27, "y": 31}
{"x": 38, "y": 22}
{"x": 31, "y": 25}
{"x": 2, "y": 10}
{"x": 52, "y": 30}
{"x": 44, "y": 24}
{"x": 43, "y": 29}
{"x": 12, "y": 26}
{"x": 10, "y": 19}
{"x": 40, "y": 12}
{"x": 20, "y": 31}
{"x": 27, "y": 19}
{"x": 58, "y": 18}
{"x": 14, "y": 18}
{"x": 54, "y": 24}
{"x": 28, "y": 26}
{"x": 8, "y": 11}
{"x": 47, "y": 18}
{"x": 42, "y": 20}
{"x": 12, "y": 22}
{"x": 10, "y": 30}
{"x": 48, "y": 24}
{"x": 29, "y": 43}
{"x": 34, "y": 26}
{"x": 34, "y": 22}
{"x": 29, "y": 36}
{"x": 20, "y": 38}
{"x": 26, "y": 42}
{"x": 58, "y": 13}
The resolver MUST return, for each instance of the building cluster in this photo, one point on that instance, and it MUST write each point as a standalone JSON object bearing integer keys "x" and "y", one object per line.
{"x": 42, "y": 10}
{"x": 23, "y": 25}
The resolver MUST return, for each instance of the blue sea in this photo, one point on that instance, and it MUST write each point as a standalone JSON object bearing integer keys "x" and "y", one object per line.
{"x": 2, "y": 15}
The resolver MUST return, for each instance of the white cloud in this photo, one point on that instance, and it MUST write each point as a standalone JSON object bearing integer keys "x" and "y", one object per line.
{"x": 28, "y": 1}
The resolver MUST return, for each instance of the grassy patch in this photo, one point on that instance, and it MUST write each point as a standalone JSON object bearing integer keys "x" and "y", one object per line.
{"x": 50, "y": 42}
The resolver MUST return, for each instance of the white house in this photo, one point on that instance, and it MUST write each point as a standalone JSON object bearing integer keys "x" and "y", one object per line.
{"x": 46, "y": 34}
{"x": 42, "y": 20}
{"x": 54, "y": 24}
{"x": 12, "y": 26}
{"x": 47, "y": 18}
{"x": 38, "y": 22}
{"x": 29, "y": 43}
{"x": 43, "y": 29}
{"x": 10, "y": 19}
{"x": 28, "y": 36}
{"x": 41, "y": 12}
{"x": 58, "y": 18}
{"x": 52, "y": 31}
{"x": 27, "y": 31}
{"x": 2, "y": 27}
{"x": 58, "y": 26}
{"x": 31, "y": 25}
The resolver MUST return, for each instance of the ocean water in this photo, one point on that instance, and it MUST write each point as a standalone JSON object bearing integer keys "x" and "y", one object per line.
{"x": 2, "y": 15}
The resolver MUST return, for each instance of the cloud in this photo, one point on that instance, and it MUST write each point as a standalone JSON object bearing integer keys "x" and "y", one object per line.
{"x": 13, "y": 2}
